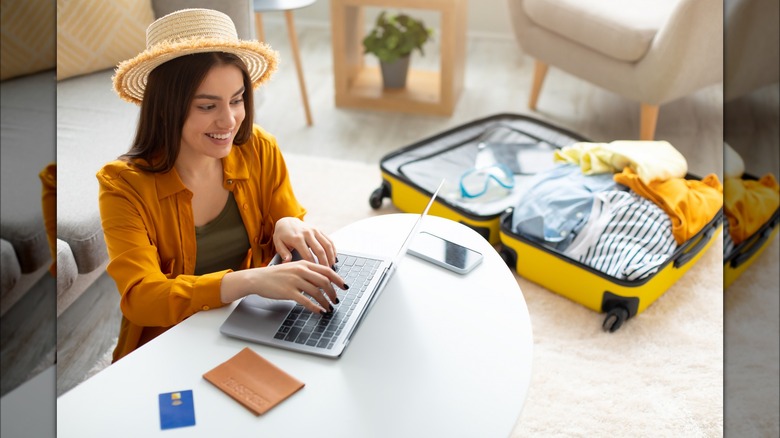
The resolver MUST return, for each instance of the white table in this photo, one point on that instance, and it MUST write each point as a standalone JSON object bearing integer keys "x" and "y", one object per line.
{"x": 459, "y": 363}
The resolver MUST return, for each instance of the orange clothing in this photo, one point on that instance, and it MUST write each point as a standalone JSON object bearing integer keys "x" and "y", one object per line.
{"x": 48, "y": 178}
{"x": 150, "y": 234}
{"x": 690, "y": 204}
{"x": 749, "y": 204}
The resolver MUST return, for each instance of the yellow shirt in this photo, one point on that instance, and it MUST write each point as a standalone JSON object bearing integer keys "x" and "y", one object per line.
{"x": 690, "y": 204}
{"x": 749, "y": 204}
{"x": 150, "y": 234}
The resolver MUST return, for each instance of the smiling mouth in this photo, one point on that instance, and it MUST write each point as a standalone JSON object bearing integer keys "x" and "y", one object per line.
{"x": 219, "y": 136}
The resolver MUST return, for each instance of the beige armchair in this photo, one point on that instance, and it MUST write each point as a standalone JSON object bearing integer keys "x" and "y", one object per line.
{"x": 651, "y": 51}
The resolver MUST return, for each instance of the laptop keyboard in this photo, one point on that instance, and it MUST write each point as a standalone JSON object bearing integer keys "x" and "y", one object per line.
{"x": 304, "y": 327}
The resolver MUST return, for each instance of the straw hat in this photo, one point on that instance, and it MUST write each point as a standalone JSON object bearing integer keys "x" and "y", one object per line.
{"x": 185, "y": 32}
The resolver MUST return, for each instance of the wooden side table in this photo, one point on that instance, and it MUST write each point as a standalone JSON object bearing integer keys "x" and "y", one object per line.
{"x": 426, "y": 92}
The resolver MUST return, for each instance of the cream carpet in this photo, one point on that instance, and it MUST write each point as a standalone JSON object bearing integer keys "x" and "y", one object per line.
{"x": 661, "y": 374}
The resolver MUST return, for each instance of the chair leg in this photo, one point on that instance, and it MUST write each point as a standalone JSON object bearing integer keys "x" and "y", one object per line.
{"x": 647, "y": 121}
{"x": 259, "y": 26}
{"x": 540, "y": 71}
{"x": 297, "y": 58}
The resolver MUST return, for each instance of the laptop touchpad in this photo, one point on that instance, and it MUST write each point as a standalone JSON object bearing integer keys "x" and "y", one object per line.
{"x": 259, "y": 302}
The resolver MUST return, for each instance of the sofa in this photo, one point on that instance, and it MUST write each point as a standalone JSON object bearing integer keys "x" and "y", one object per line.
{"x": 94, "y": 126}
{"x": 27, "y": 86}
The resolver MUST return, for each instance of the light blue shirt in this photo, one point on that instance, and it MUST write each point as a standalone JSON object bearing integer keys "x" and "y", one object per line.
{"x": 556, "y": 204}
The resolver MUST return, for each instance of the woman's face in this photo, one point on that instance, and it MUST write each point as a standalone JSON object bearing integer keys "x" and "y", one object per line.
{"x": 215, "y": 115}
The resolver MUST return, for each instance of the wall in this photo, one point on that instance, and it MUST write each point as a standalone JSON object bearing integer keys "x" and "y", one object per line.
{"x": 489, "y": 18}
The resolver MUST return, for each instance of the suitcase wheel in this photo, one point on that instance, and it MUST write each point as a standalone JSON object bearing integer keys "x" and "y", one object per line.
{"x": 616, "y": 316}
{"x": 509, "y": 257}
{"x": 378, "y": 195}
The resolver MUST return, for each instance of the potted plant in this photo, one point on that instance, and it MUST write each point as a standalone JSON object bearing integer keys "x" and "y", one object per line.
{"x": 392, "y": 40}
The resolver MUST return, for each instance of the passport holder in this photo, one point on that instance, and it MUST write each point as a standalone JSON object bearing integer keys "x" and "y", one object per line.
{"x": 254, "y": 382}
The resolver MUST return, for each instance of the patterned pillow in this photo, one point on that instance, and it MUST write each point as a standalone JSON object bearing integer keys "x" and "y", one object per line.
{"x": 27, "y": 33}
{"x": 95, "y": 35}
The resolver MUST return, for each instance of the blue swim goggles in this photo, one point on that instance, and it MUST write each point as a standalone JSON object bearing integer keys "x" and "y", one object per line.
{"x": 476, "y": 182}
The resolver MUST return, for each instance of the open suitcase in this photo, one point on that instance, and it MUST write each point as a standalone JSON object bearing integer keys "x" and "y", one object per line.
{"x": 738, "y": 258}
{"x": 411, "y": 174}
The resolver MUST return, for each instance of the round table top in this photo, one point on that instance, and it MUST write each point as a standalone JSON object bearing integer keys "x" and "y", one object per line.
{"x": 438, "y": 354}
{"x": 280, "y": 5}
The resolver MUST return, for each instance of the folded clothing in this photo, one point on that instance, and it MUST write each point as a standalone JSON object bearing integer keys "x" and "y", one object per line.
{"x": 627, "y": 237}
{"x": 690, "y": 204}
{"x": 556, "y": 204}
{"x": 749, "y": 204}
{"x": 650, "y": 160}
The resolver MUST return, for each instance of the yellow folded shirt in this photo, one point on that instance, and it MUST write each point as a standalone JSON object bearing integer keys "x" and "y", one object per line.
{"x": 650, "y": 160}
{"x": 748, "y": 204}
{"x": 690, "y": 204}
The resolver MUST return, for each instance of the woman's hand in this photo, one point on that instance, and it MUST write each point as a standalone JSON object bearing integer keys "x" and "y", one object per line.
{"x": 292, "y": 233}
{"x": 295, "y": 281}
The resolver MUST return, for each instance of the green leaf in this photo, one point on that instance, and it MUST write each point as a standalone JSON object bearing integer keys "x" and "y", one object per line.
{"x": 395, "y": 36}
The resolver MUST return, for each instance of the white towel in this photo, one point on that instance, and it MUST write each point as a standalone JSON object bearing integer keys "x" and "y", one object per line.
{"x": 733, "y": 166}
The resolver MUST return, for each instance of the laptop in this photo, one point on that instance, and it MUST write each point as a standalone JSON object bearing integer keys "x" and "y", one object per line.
{"x": 286, "y": 324}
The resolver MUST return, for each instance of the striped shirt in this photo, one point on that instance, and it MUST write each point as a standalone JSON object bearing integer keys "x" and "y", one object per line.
{"x": 627, "y": 236}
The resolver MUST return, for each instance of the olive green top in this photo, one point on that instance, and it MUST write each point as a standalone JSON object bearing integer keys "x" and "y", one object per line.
{"x": 223, "y": 242}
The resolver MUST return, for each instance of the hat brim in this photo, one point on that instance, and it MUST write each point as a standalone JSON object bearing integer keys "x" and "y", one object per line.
{"x": 130, "y": 76}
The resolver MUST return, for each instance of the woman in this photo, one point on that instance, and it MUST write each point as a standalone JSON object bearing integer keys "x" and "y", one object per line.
{"x": 201, "y": 202}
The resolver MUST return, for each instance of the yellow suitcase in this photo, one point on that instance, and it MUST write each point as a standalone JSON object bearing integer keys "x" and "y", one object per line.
{"x": 410, "y": 188}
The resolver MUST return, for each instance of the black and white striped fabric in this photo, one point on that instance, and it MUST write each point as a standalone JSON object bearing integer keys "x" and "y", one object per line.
{"x": 728, "y": 242}
{"x": 627, "y": 236}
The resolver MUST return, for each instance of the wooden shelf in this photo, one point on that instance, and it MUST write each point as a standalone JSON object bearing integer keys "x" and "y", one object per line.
{"x": 422, "y": 93}
{"x": 426, "y": 92}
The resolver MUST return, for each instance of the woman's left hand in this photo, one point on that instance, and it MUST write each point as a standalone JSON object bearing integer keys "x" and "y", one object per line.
{"x": 292, "y": 233}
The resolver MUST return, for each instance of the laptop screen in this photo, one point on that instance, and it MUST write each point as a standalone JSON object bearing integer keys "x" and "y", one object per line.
{"x": 416, "y": 226}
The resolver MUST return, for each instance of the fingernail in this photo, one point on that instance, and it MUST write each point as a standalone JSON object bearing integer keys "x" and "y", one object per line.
{"x": 346, "y": 286}
{"x": 337, "y": 300}
{"x": 331, "y": 307}
{"x": 337, "y": 259}
{"x": 323, "y": 312}
{"x": 333, "y": 267}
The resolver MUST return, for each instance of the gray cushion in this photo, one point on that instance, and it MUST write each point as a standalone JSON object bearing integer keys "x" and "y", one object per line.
{"x": 26, "y": 148}
{"x": 94, "y": 126}
{"x": 67, "y": 271}
{"x": 11, "y": 271}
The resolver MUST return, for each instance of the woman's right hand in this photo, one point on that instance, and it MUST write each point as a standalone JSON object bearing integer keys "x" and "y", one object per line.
{"x": 295, "y": 281}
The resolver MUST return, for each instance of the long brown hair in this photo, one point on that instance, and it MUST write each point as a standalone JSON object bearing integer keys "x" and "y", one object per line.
{"x": 166, "y": 103}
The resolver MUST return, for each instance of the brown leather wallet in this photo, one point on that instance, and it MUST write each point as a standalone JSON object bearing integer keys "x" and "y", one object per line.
{"x": 254, "y": 382}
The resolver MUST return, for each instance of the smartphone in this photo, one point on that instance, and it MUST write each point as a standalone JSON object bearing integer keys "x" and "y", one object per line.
{"x": 444, "y": 253}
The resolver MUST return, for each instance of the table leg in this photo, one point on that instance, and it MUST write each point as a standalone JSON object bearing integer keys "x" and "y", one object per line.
{"x": 259, "y": 27}
{"x": 297, "y": 58}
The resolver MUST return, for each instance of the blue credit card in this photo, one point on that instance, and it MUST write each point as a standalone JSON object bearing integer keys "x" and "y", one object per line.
{"x": 176, "y": 409}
